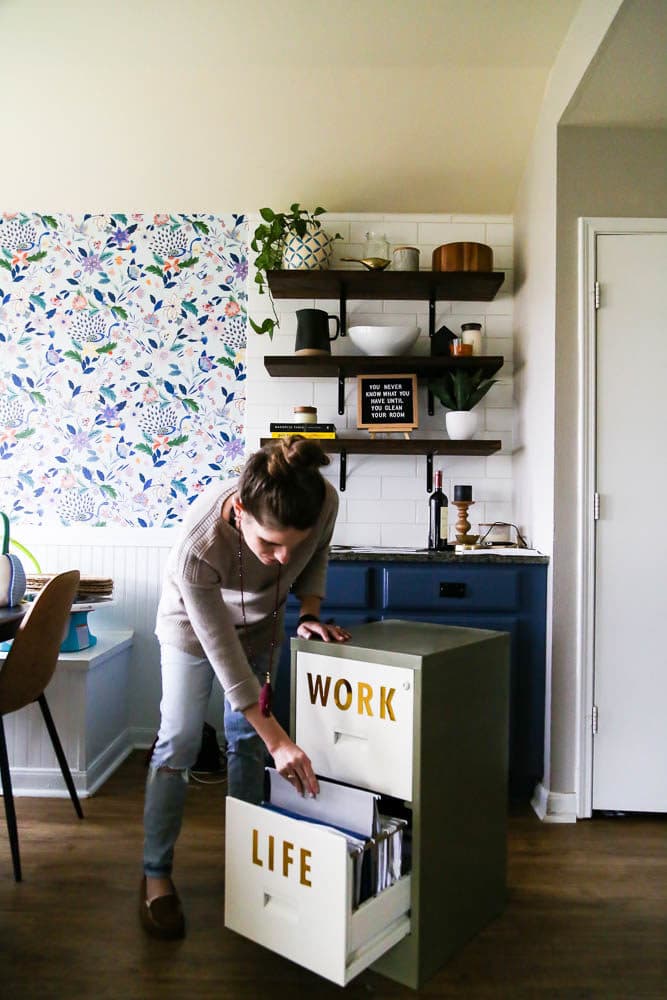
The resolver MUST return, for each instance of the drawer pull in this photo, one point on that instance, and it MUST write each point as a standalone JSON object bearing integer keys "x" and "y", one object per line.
{"x": 281, "y": 907}
{"x": 452, "y": 589}
{"x": 339, "y": 737}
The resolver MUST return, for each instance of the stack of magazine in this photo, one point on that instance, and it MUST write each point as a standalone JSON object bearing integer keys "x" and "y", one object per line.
{"x": 305, "y": 430}
{"x": 375, "y": 842}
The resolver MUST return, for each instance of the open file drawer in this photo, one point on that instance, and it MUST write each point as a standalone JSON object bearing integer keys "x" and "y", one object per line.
{"x": 289, "y": 882}
{"x": 438, "y": 744}
{"x": 288, "y": 887}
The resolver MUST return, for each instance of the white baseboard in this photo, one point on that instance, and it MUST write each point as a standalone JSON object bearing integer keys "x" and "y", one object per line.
{"x": 141, "y": 738}
{"x": 554, "y": 807}
{"x": 48, "y": 782}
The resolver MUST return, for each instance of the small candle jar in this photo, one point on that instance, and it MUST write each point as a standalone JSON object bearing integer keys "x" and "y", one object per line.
{"x": 463, "y": 492}
{"x": 471, "y": 333}
{"x": 460, "y": 350}
{"x": 305, "y": 414}
{"x": 406, "y": 259}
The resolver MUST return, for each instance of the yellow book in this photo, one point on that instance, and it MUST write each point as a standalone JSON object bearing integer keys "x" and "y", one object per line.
{"x": 306, "y": 434}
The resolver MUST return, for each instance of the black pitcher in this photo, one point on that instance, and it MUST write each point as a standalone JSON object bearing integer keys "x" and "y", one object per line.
{"x": 312, "y": 331}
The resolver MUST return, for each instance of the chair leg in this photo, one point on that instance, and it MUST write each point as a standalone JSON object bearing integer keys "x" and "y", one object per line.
{"x": 62, "y": 760}
{"x": 8, "y": 796}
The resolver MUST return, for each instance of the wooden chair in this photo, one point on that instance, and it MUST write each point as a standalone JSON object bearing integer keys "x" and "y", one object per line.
{"x": 28, "y": 668}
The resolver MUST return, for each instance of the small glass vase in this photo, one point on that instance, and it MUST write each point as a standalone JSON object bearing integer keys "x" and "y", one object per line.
{"x": 376, "y": 245}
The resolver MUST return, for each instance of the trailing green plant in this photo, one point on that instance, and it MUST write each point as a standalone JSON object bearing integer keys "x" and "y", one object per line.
{"x": 461, "y": 389}
{"x": 268, "y": 242}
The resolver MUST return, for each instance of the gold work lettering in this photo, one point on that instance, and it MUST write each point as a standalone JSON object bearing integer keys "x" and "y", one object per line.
{"x": 365, "y": 693}
{"x": 347, "y": 687}
{"x": 318, "y": 689}
{"x": 385, "y": 703}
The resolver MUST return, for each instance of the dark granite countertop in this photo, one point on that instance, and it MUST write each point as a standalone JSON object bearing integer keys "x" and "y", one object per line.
{"x": 504, "y": 554}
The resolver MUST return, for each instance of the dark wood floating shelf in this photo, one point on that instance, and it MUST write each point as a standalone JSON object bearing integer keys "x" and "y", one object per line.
{"x": 463, "y": 286}
{"x": 348, "y": 366}
{"x": 401, "y": 446}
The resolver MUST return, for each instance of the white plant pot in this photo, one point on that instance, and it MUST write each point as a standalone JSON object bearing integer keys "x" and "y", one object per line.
{"x": 461, "y": 424}
{"x": 312, "y": 253}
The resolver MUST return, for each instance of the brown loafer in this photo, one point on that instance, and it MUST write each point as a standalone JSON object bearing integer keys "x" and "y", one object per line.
{"x": 162, "y": 917}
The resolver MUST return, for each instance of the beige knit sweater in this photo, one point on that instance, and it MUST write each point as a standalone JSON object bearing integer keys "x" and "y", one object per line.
{"x": 200, "y": 606}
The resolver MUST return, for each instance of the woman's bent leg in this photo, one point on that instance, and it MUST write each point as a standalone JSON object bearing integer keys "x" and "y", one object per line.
{"x": 186, "y": 687}
{"x": 246, "y": 754}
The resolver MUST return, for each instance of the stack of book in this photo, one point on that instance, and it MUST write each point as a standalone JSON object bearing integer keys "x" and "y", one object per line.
{"x": 279, "y": 430}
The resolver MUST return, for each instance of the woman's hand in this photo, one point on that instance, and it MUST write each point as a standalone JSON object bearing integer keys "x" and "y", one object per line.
{"x": 294, "y": 764}
{"x": 290, "y": 760}
{"x": 328, "y": 631}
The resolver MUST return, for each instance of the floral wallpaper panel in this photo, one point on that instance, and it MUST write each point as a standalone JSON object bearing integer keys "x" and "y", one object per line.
{"x": 122, "y": 364}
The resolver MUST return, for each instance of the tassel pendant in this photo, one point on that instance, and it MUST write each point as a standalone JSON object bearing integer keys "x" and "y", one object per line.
{"x": 266, "y": 697}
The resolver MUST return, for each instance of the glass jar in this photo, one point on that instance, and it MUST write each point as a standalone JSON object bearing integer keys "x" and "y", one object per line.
{"x": 376, "y": 245}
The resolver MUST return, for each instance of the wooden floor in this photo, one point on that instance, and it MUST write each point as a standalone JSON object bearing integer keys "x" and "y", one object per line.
{"x": 586, "y": 914}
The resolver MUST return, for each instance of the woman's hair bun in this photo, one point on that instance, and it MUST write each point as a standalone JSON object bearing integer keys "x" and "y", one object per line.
{"x": 286, "y": 455}
{"x": 281, "y": 484}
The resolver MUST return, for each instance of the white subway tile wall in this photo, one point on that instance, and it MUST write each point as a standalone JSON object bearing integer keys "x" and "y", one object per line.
{"x": 385, "y": 500}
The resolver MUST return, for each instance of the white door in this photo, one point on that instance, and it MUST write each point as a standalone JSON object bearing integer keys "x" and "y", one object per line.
{"x": 630, "y": 673}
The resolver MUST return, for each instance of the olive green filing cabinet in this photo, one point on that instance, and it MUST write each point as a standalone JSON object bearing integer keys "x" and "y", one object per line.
{"x": 417, "y": 712}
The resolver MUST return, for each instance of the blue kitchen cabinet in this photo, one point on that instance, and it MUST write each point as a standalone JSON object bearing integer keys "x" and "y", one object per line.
{"x": 507, "y": 596}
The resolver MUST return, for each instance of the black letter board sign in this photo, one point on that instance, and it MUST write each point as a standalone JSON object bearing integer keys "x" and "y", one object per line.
{"x": 387, "y": 402}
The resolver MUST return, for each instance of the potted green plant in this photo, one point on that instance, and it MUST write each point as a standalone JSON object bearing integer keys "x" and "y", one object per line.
{"x": 294, "y": 240}
{"x": 459, "y": 390}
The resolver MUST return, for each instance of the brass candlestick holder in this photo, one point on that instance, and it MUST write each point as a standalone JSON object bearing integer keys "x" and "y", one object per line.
{"x": 462, "y": 526}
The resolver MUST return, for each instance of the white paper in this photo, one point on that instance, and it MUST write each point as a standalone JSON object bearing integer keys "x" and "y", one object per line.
{"x": 352, "y": 809}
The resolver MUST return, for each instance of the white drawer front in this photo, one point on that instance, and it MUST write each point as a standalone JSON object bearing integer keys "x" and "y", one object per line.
{"x": 355, "y": 721}
{"x": 288, "y": 887}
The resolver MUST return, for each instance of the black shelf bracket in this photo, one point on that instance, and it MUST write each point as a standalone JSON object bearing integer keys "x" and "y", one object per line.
{"x": 431, "y": 331}
{"x": 343, "y": 470}
{"x": 341, "y": 393}
{"x": 343, "y": 312}
{"x": 429, "y": 472}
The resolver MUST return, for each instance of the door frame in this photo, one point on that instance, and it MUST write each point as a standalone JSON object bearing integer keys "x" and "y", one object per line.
{"x": 589, "y": 230}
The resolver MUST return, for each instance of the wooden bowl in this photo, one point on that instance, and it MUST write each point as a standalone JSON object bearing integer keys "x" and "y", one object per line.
{"x": 463, "y": 257}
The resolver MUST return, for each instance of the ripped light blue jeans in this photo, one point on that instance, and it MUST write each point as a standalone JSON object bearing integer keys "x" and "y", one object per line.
{"x": 186, "y": 687}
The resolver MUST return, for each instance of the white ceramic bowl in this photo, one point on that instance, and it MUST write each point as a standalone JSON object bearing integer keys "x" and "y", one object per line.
{"x": 383, "y": 340}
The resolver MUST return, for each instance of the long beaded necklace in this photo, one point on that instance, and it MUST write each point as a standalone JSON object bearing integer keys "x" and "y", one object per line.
{"x": 266, "y": 694}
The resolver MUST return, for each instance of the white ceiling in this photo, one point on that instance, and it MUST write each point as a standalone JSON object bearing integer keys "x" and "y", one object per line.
{"x": 359, "y": 105}
{"x": 409, "y": 105}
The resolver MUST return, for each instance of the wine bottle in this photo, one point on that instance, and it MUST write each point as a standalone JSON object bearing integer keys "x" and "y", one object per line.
{"x": 438, "y": 511}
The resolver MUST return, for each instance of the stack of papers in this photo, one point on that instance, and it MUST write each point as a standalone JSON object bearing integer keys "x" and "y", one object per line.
{"x": 374, "y": 841}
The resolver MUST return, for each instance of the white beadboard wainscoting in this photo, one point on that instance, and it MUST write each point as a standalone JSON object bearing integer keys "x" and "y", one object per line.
{"x": 135, "y": 559}
{"x": 385, "y": 501}
{"x": 88, "y": 699}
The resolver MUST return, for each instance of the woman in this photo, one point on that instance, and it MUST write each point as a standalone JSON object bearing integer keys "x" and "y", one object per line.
{"x": 244, "y": 545}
